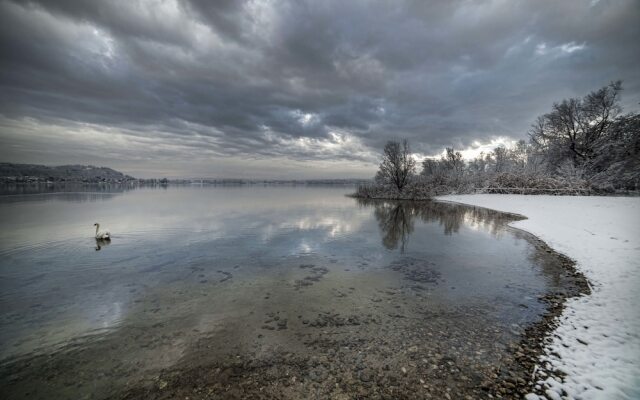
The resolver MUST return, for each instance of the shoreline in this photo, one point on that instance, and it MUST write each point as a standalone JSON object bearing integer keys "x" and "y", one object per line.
{"x": 518, "y": 379}
{"x": 594, "y": 338}
{"x": 513, "y": 378}
{"x": 365, "y": 338}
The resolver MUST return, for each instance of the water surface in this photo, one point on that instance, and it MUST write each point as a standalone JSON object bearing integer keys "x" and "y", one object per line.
{"x": 284, "y": 291}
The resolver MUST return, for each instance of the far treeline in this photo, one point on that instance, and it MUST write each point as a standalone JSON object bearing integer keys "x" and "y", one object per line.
{"x": 582, "y": 146}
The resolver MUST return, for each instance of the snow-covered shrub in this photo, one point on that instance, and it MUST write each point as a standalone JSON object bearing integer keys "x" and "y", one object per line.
{"x": 582, "y": 146}
{"x": 412, "y": 191}
{"x": 536, "y": 184}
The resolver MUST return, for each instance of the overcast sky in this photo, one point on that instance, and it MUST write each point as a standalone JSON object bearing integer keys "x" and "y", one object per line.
{"x": 294, "y": 89}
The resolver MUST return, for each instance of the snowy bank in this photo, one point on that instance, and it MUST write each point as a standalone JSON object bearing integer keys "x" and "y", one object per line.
{"x": 597, "y": 342}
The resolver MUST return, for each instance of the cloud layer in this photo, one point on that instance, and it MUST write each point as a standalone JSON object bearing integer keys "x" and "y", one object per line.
{"x": 293, "y": 88}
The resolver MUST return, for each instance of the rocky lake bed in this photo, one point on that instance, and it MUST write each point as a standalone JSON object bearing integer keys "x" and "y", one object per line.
{"x": 399, "y": 318}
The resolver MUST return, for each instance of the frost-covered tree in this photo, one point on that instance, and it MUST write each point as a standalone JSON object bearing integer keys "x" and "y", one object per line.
{"x": 433, "y": 170}
{"x": 616, "y": 162}
{"x": 398, "y": 165}
{"x": 501, "y": 157}
{"x": 478, "y": 165}
{"x": 518, "y": 156}
{"x": 574, "y": 126}
{"x": 581, "y": 145}
{"x": 453, "y": 163}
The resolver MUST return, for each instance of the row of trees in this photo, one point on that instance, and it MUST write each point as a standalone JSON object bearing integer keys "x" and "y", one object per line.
{"x": 581, "y": 145}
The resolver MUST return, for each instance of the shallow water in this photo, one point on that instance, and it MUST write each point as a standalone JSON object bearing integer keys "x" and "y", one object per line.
{"x": 303, "y": 281}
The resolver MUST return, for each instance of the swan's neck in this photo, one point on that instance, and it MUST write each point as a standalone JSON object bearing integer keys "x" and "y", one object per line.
{"x": 97, "y": 227}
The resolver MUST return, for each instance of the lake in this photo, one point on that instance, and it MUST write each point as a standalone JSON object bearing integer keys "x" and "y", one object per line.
{"x": 262, "y": 291}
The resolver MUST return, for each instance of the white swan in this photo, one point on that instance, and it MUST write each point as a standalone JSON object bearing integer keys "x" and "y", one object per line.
{"x": 104, "y": 235}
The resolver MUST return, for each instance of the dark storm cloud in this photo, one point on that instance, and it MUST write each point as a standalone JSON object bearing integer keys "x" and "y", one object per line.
{"x": 306, "y": 80}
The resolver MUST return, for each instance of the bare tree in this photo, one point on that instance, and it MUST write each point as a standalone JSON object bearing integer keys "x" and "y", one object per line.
{"x": 582, "y": 144}
{"x": 397, "y": 164}
{"x": 453, "y": 161}
{"x": 430, "y": 167}
{"x": 501, "y": 157}
{"x": 616, "y": 163}
{"x": 574, "y": 126}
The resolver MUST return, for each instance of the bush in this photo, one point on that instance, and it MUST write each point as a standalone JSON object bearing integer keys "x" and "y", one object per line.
{"x": 537, "y": 184}
{"x": 412, "y": 191}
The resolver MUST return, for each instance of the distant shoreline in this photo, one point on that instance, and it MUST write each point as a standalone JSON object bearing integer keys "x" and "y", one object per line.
{"x": 21, "y": 174}
{"x": 152, "y": 182}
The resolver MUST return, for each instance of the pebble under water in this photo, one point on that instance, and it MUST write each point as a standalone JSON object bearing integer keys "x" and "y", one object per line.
{"x": 267, "y": 292}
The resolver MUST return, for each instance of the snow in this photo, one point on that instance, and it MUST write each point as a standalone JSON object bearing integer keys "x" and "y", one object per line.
{"x": 597, "y": 342}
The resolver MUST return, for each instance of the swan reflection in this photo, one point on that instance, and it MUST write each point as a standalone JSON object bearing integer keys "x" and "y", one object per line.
{"x": 101, "y": 243}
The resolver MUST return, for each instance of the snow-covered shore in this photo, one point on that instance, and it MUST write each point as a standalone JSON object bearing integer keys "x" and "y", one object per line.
{"x": 597, "y": 342}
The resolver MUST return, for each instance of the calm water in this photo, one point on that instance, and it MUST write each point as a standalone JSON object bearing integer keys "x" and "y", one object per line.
{"x": 202, "y": 276}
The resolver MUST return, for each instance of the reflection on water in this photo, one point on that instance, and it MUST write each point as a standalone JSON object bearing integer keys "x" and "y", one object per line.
{"x": 396, "y": 218}
{"x": 199, "y": 276}
{"x": 101, "y": 243}
{"x": 396, "y": 221}
{"x": 14, "y": 189}
{"x": 75, "y": 197}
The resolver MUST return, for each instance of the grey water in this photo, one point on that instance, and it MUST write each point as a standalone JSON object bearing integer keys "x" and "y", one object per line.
{"x": 195, "y": 275}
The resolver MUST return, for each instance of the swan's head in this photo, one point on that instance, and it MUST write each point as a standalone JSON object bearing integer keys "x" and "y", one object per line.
{"x": 96, "y": 224}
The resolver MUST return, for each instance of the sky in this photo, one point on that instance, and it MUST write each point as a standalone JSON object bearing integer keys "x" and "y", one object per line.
{"x": 294, "y": 89}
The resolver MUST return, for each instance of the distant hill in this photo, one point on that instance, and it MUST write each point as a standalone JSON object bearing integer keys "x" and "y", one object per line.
{"x": 32, "y": 173}
{"x": 64, "y": 173}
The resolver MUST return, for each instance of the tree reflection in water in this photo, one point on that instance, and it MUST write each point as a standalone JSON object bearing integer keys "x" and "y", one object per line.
{"x": 396, "y": 218}
{"x": 396, "y": 223}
